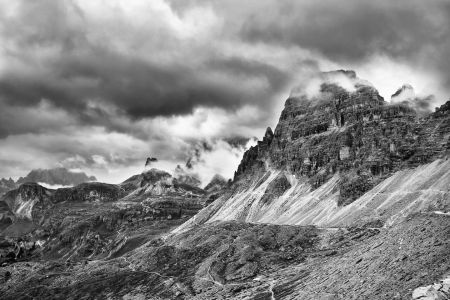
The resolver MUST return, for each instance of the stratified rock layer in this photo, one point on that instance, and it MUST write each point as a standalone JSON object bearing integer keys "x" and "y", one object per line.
{"x": 356, "y": 134}
{"x": 345, "y": 158}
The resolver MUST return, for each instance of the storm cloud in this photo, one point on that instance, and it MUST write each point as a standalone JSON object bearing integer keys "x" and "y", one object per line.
{"x": 101, "y": 85}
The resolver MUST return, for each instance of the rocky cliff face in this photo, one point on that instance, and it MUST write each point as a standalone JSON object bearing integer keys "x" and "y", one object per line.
{"x": 356, "y": 134}
{"x": 341, "y": 158}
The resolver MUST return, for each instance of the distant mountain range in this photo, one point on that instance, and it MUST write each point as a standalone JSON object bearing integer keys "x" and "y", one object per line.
{"x": 53, "y": 177}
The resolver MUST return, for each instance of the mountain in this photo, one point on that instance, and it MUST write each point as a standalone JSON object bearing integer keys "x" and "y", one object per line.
{"x": 150, "y": 160}
{"x": 405, "y": 92}
{"x": 57, "y": 176}
{"x": 217, "y": 183}
{"x": 51, "y": 177}
{"x": 93, "y": 219}
{"x": 184, "y": 176}
{"x": 348, "y": 198}
{"x": 7, "y": 185}
{"x": 215, "y": 188}
{"x": 339, "y": 159}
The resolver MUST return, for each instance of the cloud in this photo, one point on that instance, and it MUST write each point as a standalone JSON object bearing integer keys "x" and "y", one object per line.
{"x": 101, "y": 85}
{"x": 311, "y": 84}
{"x": 209, "y": 158}
{"x": 406, "y": 95}
{"x": 140, "y": 57}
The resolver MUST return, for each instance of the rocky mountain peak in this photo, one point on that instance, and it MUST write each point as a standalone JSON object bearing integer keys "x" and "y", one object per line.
{"x": 216, "y": 183}
{"x": 150, "y": 160}
{"x": 56, "y": 176}
{"x": 405, "y": 92}
{"x": 31, "y": 190}
{"x": 348, "y": 73}
{"x": 268, "y": 136}
{"x": 154, "y": 175}
{"x": 186, "y": 177}
{"x": 351, "y": 132}
{"x": 443, "y": 110}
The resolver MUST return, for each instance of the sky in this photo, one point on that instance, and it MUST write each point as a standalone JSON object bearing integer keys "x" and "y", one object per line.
{"x": 100, "y": 85}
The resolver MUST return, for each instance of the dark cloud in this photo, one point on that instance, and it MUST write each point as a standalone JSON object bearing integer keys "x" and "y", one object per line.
{"x": 139, "y": 88}
{"x": 354, "y": 29}
{"x": 414, "y": 32}
{"x": 81, "y": 69}
{"x": 351, "y": 30}
{"x": 105, "y": 84}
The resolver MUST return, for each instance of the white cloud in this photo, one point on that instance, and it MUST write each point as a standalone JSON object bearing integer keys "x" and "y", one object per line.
{"x": 388, "y": 75}
{"x": 102, "y": 140}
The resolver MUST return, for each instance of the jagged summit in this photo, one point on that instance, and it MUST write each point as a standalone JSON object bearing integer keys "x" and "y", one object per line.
{"x": 154, "y": 175}
{"x": 7, "y": 185}
{"x": 404, "y": 88}
{"x": 349, "y": 73}
{"x": 444, "y": 109}
{"x": 404, "y": 93}
{"x": 56, "y": 176}
{"x": 268, "y": 136}
{"x": 329, "y": 152}
{"x": 150, "y": 160}
{"x": 318, "y": 85}
{"x": 49, "y": 177}
{"x": 216, "y": 183}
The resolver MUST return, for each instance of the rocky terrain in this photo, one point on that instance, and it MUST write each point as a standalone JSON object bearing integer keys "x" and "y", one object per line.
{"x": 348, "y": 198}
{"x": 92, "y": 220}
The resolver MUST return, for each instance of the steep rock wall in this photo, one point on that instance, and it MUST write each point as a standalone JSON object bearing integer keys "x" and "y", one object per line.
{"x": 349, "y": 157}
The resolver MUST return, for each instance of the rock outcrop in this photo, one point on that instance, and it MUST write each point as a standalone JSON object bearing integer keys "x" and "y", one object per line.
{"x": 150, "y": 160}
{"x": 7, "y": 185}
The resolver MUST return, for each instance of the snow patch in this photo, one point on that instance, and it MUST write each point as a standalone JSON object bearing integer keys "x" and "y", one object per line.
{"x": 54, "y": 186}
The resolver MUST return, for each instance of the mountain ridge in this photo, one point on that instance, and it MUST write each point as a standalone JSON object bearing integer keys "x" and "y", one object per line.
{"x": 52, "y": 177}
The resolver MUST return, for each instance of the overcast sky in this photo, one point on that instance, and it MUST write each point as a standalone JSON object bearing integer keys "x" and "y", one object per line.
{"x": 100, "y": 85}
